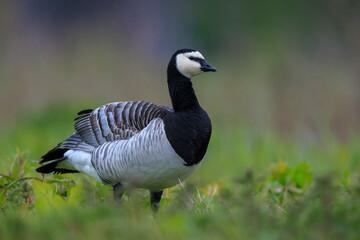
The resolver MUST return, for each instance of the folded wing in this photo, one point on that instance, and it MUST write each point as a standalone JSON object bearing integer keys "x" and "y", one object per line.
{"x": 116, "y": 121}
{"x": 108, "y": 123}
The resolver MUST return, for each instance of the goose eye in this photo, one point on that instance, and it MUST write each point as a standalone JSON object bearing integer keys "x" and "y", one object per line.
{"x": 192, "y": 58}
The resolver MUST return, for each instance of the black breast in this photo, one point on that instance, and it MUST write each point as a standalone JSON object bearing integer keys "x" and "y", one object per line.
{"x": 188, "y": 133}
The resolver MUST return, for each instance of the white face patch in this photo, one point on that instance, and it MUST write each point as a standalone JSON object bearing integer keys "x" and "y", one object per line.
{"x": 186, "y": 66}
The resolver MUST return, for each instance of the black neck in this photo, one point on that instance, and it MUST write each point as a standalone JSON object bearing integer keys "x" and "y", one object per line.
{"x": 181, "y": 91}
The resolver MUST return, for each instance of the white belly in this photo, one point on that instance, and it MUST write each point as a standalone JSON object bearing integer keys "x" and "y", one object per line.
{"x": 156, "y": 174}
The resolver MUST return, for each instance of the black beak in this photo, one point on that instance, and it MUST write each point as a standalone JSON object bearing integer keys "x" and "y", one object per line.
{"x": 205, "y": 67}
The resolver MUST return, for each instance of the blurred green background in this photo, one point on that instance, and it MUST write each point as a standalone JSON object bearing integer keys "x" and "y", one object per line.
{"x": 291, "y": 66}
{"x": 285, "y": 68}
{"x": 287, "y": 88}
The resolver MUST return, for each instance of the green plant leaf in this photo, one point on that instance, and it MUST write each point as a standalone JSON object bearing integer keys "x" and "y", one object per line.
{"x": 302, "y": 175}
{"x": 3, "y": 196}
{"x": 6, "y": 177}
{"x": 23, "y": 179}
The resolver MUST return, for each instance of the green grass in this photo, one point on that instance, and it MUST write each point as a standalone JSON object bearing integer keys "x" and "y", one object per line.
{"x": 251, "y": 185}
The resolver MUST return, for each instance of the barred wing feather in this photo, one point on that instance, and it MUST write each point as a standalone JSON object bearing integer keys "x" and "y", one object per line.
{"x": 116, "y": 121}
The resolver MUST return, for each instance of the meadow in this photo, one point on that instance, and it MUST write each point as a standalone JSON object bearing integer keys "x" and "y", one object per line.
{"x": 284, "y": 158}
{"x": 248, "y": 187}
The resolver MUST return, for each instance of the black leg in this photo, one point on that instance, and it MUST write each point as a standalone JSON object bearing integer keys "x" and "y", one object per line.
{"x": 118, "y": 191}
{"x": 155, "y": 198}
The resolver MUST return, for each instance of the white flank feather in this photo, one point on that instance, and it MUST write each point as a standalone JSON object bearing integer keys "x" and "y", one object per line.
{"x": 80, "y": 161}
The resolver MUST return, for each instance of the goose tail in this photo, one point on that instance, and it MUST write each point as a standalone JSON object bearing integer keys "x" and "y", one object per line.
{"x": 56, "y": 159}
{"x": 53, "y": 167}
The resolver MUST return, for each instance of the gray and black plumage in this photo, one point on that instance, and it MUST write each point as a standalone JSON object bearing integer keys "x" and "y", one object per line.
{"x": 137, "y": 143}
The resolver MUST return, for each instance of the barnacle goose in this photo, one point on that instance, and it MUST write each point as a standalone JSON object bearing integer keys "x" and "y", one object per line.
{"x": 139, "y": 144}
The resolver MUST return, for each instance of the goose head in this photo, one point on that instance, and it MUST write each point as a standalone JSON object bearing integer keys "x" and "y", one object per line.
{"x": 189, "y": 62}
